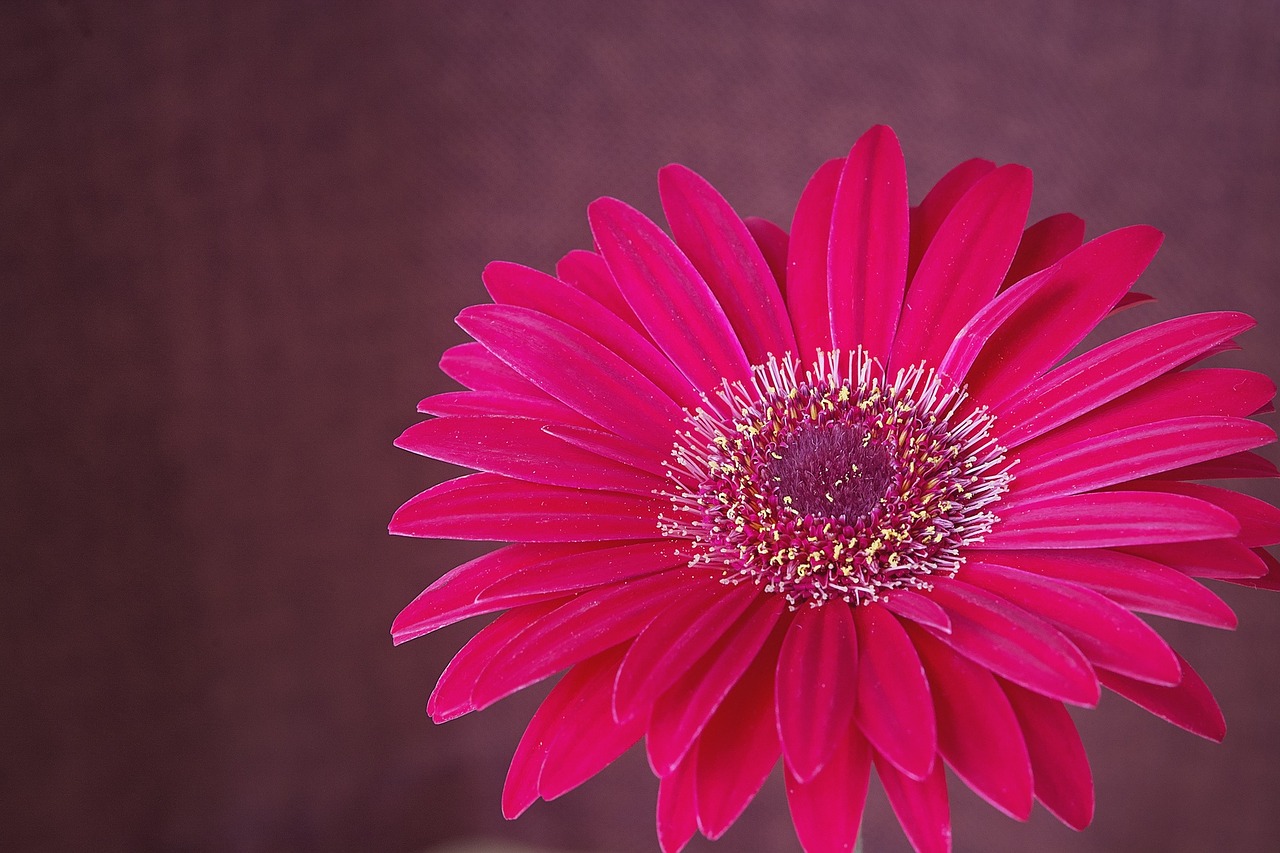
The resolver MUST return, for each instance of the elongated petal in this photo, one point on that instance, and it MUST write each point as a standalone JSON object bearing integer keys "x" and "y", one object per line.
{"x": 1259, "y": 520}
{"x": 608, "y": 445}
{"x": 490, "y": 508}
{"x": 827, "y": 809}
{"x": 893, "y": 708}
{"x": 582, "y": 569}
{"x": 1225, "y": 559}
{"x": 1085, "y": 286}
{"x": 587, "y": 273}
{"x": 577, "y": 370}
{"x": 480, "y": 370}
{"x": 867, "y": 255}
{"x": 1189, "y": 705}
{"x": 963, "y": 266}
{"x": 807, "y": 260}
{"x": 1269, "y": 581}
{"x": 922, "y": 807}
{"x": 988, "y": 320}
{"x": 928, "y": 216}
{"x": 1044, "y": 244}
{"x": 541, "y": 407}
{"x": 722, "y": 249}
{"x": 519, "y": 448}
{"x": 1059, "y": 766}
{"x": 672, "y": 301}
{"x": 1104, "y": 373}
{"x": 1014, "y": 643}
{"x": 774, "y": 243}
{"x": 1107, "y": 634}
{"x": 817, "y": 684}
{"x": 917, "y": 608}
{"x": 1136, "y": 583}
{"x": 682, "y": 712}
{"x": 1108, "y": 519}
{"x": 677, "y": 804}
{"x": 978, "y": 734}
{"x": 1233, "y": 467}
{"x": 739, "y": 746}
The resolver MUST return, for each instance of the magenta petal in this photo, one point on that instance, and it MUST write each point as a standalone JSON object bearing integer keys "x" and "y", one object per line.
{"x": 587, "y": 273}
{"x": 678, "y": 637}
{"x": 1269, "y": 581}
{"x": 519, "y": 448}
{"x": 1133, "y": 452}
{"x": 978, "y": 734}
{"x": 893, "y": 709}
{"x": 774, "y": 244}
{"x": 827, "y": 810}
{"x": 1224, "y": 559}
{"x": 922, "y": 808}
{"x": 1104, "y": 373}
{"x": 480, "y": 370}
{"x": 1108, "y": 519}
{"x": 1084, "y": 287}
{"x": 971, "y": 339}
{"x": 668, "y": 295}
{"x": 581, "y": 569}
{"x": 1044, "y": 244}
{"x": 1128, "y": 580}
{"x": 1189, "y": 705}
{"x": 722, "y": 249}
{"x": 682, "y": 712}
{"x": 677, "y": 804}
{"x": 807, "y": 260}
{"x": 490, "y": 508}
{"x": 540, "y": 407}
{"x": 578, "y": 370}
{"x": 867, "y": 255}
{"x": 584, "y": 626}
{"x": 1259, "y": 520}
{"x": 963, "y": 266}
{"x": 738, "y": 748}
{"x": 1108, "y": 635}
{"x": 1059, "y": 765}
{"x": 917, "y": 608}
{"x": 816, "y": 686}
{"x": 928, "y": 216}
{"x": 610, "y": 446}
{"x": 1014, "y": 643}
{"x": 1236, "y": 466}
{"x": 588, "y": 738}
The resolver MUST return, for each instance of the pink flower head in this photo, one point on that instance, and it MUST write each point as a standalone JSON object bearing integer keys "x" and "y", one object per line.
{"x": 838, "y": 497}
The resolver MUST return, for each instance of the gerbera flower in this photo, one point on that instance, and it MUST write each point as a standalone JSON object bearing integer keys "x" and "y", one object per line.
{"x": 838, "y": 497}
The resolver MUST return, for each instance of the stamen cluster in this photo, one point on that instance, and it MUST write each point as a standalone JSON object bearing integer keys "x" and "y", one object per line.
{"x": 835, "y": 483}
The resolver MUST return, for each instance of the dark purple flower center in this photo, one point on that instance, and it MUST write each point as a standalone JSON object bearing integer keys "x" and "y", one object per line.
{"x": 833, "y": 471}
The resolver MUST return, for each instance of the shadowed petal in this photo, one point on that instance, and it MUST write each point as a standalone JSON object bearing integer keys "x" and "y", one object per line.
{"x": 1044, "y": 244}
{"x": 807, "y": 260}
{"x": 1188, "y": 705}
{"x": 1059, "y": 766}
{"x": 921, "y": 807}
{"x": 816, "y": 686}
{"x": 1108, "y": 519}
{"x": 928, "y": 216}
{"x": 677, "y": 804}
{"x": 773, "y": 243}
{"x": 893, "y": 709}
{"x": 587, "y": 273}
{"x": 827, "y": 810}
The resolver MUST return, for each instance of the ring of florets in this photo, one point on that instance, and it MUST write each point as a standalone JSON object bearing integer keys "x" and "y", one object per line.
{"x": 835, "y": 483}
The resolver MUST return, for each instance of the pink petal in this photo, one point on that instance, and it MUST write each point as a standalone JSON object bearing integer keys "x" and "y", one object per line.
{"x": 893, "y": 708}
{"x": 1226, "y": 559}
{"x": 1059, "y": 765}
{"x": 1189, "y": 705}
{"x": 512, "y": 284}
{"x": 1133, "y": 452}
{"x": 1108, "y": 519}
{"x": 451, "y": 697}
{"x": 1259, "y": 520}
{"x": 917, "y": 608}
{"x": 519, "y": 448}
{"x": 680, "y": 636}
{"x": 807, "y": 260}
{"x": 682, "y": 712}
{"x": 587, "y": 273}
{"x": 1108, "y": 635}
{"x": 867, "y": 255}
{"x": 677, "y": 805}
{"x": 577, "y": 370}
{"x": 588, "y": 738}
{"x": 487, "y": 507}
{"x": 1131, "y": 299}
{"x": 774, "y": 245}
{"x": 970, "y": 340}
{"x": 541, "y": 407}
{"x": 963, "y": 266}
{"x": 584, "y": 626}
{"x": 609, "y": 446}
{"x": 1128, "y": 580}
{"x": 978, "y": 734}
{"x": 1232, "y": 467}
{"x": 668, "y": 295}
{"x": 723, "y": 251}
{"x": 921, "y": 807}
{"x": 1269, "y": 581}
{"x": 739, "y": 747}
{"x": 816, "y": 686}
{"x": 1014, "y": 643}
{"x": 1086, "y": 284}
{"x": 1044, "y": 244}
{"x": 1104, "y": 373}
{"x": 480, "y": 370}
{"x": 455, "y": 596}
{"x": 582, "y": 569}
{"x": 928, "y": 216}
{"x": 827, "y": 810}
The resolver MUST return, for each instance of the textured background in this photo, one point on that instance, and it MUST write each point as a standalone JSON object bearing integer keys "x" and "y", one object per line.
{"x": 232, "y": 240}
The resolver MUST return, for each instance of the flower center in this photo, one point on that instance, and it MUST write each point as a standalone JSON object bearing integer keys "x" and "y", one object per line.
{"x": 835, "y": 483}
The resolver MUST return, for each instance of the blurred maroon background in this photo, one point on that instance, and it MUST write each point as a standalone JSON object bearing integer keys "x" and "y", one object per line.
{"x": 232, "y": 241}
